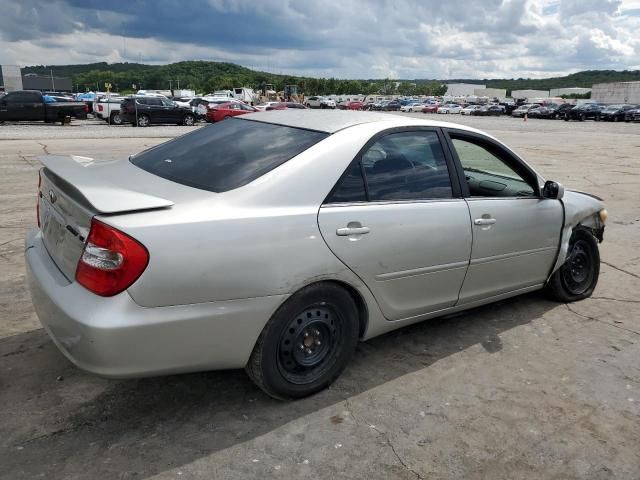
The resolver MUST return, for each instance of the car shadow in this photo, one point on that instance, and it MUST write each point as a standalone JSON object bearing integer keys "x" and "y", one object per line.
{"x": 63, "y": 420}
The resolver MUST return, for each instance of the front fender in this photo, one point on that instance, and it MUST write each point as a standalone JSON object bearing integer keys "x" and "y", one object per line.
{"x": 579, "y": 209}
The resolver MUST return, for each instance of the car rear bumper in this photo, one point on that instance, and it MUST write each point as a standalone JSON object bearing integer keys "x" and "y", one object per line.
{"x": 115, "y": 337}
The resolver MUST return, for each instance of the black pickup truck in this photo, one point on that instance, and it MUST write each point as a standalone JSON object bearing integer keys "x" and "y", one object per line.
{"x": 31, "y": 105}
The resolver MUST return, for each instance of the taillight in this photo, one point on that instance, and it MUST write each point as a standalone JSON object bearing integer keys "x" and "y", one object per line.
{"x": 86, "y": 108}
{"x": 111, "y": 260}
{"x": 99, "y": 108}
{"x": 38, "y": 198}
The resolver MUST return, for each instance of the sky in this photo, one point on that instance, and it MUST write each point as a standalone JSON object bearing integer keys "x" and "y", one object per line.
{"x": 442, "y": 39}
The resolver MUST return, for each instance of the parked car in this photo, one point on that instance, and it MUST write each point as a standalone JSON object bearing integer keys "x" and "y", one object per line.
{"x": 412, "y": 107}
{"x": 470, "y": 109}
{"x": 522, "y": 110}
{"x": 108, "y": 109}
{"x": 285, "y": 105}
{"x": 615, "y": 113}
{"x": 391, "y": 106}
{"x": 431, "y": 108}
{"x": 632, "y": 115}
{"x": 264, "y": 106}
{"x": 319, "y": 102}
{"x": 31, "y": 105}
{"x": 548, "y": 112}
{"x": 486, "y": 111}
{"x": 147, "y": 110}
{"x": 587, "y": 111}
{"x": 449, "y": 108}
{"x": 351, "y": 105}
{"x": 228, "y": 110}
{"x": 154, "y": 272}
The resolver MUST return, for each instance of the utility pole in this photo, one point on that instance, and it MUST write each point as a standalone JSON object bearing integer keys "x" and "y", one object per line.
{"x": 53, "y": 83}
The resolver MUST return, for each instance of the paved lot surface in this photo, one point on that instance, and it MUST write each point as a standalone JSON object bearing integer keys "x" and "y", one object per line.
{"x": 526, "y": 388}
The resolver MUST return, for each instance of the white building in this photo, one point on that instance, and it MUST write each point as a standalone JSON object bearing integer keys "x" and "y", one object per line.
{"x": 10, "y": 78}
{"x": 558, "y": 92}
{"x": 518, "y": 94}
{"x": 500, "y": 93}
{"x": 617, "y": 92}
{"x": 463, "y": 89}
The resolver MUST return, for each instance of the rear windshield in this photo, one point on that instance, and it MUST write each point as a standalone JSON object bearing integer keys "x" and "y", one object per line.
{"x": 226, "y": 155}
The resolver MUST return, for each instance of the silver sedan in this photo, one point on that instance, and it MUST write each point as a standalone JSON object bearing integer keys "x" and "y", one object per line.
{"x": 276, "y": 241}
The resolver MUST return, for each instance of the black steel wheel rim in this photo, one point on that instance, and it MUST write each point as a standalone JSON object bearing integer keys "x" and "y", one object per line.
{"x": 308, "y": 344}
{"x": 577, "y": 271}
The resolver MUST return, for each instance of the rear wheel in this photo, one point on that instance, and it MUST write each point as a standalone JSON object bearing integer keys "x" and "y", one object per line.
{"x": 115, "y": 118}
{"x": 143, "y": 120}
{"x": 578, "y": 276}
{"x": 307, "y": 343}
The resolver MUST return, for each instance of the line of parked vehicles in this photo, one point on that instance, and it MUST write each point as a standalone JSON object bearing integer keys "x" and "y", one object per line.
{"x": 146, "y": 108}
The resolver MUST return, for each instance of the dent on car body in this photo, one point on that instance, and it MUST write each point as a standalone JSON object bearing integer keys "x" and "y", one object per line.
{"x": 579, "y": 209}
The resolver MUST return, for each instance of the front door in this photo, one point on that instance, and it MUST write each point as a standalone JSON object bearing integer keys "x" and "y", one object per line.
{"x": 515, "y": 231}
{"x": 397, "y": 220}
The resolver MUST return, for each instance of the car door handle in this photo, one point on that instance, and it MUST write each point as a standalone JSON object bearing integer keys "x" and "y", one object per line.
{"x": 343, "y": 232}
{"x": 484, "y": 221}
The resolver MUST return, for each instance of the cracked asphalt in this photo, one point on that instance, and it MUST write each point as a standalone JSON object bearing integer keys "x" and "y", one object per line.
{"x": 525, "y": 388}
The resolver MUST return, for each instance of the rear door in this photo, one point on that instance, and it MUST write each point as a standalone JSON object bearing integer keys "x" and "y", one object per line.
{"x": 396, "y": 218}
{"x": 516, "y": 231}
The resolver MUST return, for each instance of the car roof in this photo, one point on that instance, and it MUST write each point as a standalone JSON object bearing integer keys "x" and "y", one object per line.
{"x": 331, "y": 121}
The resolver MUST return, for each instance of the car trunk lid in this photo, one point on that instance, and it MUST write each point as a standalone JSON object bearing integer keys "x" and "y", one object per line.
{"x": 75, "y": 189}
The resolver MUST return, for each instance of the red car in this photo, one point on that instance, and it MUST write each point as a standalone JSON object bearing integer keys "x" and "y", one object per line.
{"x": 226, "y": 110}
{"x": 433, "y": 108}
{"x": 354, "y": 105}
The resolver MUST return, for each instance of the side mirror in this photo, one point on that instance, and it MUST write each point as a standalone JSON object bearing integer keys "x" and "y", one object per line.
{"x": 553, "y": 190}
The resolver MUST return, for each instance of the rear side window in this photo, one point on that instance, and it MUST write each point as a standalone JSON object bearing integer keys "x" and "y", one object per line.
{"x": 226, "y": 155}
{"x": 407, "y": 166}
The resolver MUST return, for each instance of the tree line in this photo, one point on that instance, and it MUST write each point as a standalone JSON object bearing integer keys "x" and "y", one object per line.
{"x": 205, "y": 77}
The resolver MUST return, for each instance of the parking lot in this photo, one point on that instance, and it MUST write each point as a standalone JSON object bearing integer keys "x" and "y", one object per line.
{"x": 525, "y": 388}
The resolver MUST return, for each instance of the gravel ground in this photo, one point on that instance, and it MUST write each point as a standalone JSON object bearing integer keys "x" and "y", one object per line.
{"x": 525, "y": 388}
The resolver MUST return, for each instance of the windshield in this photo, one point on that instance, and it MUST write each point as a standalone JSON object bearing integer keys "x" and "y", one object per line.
{"x": 226, "y": 155}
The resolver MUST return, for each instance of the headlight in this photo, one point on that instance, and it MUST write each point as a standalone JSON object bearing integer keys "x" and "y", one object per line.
{"x": 604, "y": 215}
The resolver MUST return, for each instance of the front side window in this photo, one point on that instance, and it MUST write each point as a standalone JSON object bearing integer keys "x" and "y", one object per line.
{"x": 226, "y": 155}
{"x": 487, "y": 174}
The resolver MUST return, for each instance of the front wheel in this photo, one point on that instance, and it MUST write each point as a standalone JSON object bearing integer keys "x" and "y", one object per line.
{"x": 578, "y": 276}
{"x": 307, "y": 343}
{"x": 188, "y": 120}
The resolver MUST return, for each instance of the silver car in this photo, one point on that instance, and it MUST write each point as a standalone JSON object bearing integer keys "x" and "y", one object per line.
{"x": 275, "y": 241}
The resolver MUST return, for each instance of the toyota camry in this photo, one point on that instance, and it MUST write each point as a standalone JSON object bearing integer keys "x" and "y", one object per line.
{"x": 277, "y": 240}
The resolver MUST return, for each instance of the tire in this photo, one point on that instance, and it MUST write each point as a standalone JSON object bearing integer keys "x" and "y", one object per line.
{"x": 616, "y": 118}
{"x": 188, "y": 120}
{"x": 578, "y": 276}
{"x": 115, "y": 118}
{"x": 291, "y": 358}
{"x": 581, "y": 118}
{"x": 143, "y": 120}
{"x": 566, "y": 117}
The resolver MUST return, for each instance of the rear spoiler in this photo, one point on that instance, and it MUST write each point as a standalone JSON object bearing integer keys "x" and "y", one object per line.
{"x": 84, "y": 175}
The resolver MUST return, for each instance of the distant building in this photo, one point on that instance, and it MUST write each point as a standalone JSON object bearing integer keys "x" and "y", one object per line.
{"x": 558, "y": 92}
{"x": 31, "y": 81}
{"x": 617, "y": 92}
{"x": 490, "y": 92}
{"x": 463, "y": 89}
{"x": 524, "y": 94}
{"x": 10, "y": 78}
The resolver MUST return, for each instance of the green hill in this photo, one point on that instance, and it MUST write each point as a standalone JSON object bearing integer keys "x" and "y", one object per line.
{"x": 208, "y": 76}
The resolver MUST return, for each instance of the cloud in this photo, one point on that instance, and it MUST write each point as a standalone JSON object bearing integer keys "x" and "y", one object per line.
{"x": 341, "y": 38}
